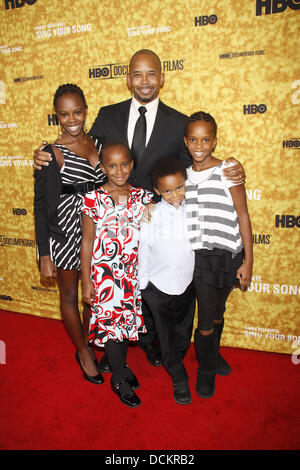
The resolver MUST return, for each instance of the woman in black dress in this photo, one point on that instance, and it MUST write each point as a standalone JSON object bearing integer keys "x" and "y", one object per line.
{"x": 59, "y": 195}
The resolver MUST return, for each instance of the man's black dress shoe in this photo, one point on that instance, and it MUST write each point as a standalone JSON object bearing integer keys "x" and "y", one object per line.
{"x": 131, "y": 378}
{"x": 104, "y": 365}
{"x": 97, "y": 379}
{"x": 126, "y": 394}
{"x": 181, "y": 393}
{"x": 152, "y": 353}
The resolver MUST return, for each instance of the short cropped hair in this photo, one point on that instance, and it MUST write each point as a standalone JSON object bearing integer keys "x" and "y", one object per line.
{"x": 167, "y": 166}
{"x": 145, "y": 52}
{"x": 108, "y": 145}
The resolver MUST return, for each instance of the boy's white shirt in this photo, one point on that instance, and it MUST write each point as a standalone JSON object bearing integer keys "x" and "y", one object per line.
{"x": 165, "y": 255}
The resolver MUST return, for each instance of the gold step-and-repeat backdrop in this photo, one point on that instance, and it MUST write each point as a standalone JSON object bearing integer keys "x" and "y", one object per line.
{"x": 238, "y": 61}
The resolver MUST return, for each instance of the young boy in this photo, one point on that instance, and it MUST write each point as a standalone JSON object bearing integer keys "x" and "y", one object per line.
{"x": 166, "y": 265}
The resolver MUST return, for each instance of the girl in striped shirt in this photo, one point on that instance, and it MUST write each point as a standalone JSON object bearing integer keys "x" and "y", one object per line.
{"x": 220, "y": 233}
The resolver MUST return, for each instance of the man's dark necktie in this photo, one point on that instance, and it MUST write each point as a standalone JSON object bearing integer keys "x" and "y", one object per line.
{"x": 139, "y": 136}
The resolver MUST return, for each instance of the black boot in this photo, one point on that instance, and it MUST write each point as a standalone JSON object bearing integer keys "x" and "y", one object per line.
{"x": 206, "y": 347}
{"x": 223, "y": 368}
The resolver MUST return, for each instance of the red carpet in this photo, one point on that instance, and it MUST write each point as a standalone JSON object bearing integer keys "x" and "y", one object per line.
{"x": 46, "y": 404}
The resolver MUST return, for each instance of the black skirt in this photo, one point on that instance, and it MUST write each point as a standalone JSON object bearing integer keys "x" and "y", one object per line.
{"x": 217, "y": 267}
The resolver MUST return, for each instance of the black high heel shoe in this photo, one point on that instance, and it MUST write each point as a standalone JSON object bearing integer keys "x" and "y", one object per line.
{"x": 94, "y": 358}
{"x": 97, "y": 379}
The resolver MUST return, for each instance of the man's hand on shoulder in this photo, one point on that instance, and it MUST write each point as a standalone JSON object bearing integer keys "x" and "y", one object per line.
{"x": 40, "y": 157}
{"x": 234, "y": 171}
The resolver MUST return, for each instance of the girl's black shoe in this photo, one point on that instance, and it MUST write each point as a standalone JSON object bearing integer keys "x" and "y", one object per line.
{"x": 131, "y": 378}
{"x": 126, "y": 394}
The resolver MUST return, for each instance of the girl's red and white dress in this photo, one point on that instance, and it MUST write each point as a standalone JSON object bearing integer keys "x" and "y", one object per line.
{"x": 116, "y": 311}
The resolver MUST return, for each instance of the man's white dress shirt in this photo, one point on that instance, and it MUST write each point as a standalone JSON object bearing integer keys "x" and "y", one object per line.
{"x": 134, "y": 115}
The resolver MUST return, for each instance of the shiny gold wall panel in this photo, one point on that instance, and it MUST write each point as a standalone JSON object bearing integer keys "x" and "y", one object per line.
{"x": 219, "y": 56}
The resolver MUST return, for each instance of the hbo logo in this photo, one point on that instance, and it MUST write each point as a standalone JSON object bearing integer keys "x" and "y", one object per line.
{"x": 17, "y": 3}
{"x": 17, "y": 211}
{"x": 204, "y": 20}
{"x": 287, "y": 221}
{"x": 98, "y": 72}
{"x": 254, "y": 108}
{"x": 291, "y": 144}
{"x": 275, "y": 6}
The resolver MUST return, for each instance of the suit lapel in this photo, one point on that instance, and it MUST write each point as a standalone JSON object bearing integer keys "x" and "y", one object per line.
{"x": 122, "y": 118}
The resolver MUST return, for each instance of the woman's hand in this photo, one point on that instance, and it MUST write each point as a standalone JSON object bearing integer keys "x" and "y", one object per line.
{"x": 48, "y": 269}
{"x": 88, "y": 293}
{"x": 244, "y": 275}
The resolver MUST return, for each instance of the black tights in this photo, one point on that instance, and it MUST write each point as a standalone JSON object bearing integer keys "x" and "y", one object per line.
{"x": 117, "y": 355}
{"x": 211, "y": 305}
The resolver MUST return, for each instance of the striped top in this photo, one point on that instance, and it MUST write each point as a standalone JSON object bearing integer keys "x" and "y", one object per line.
{"x": 78, "y": 169}
{"x": 211, "y": 215}
{"x": 75, "y": 169}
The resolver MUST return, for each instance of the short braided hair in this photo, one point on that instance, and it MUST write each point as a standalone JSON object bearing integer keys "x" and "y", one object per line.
{"x": 202, "y": 116}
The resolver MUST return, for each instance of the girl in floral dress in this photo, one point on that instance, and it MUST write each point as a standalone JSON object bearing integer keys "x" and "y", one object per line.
{"x": 110, "y": 235}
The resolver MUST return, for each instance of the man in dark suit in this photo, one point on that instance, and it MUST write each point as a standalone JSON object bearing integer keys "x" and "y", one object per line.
{"x": 163, "y": 137}
{"x": 164, "y": 130}
{"x": 165, "y": 125}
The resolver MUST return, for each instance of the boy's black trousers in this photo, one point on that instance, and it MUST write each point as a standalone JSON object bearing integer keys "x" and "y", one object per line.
{"x": 173, "y": 317}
